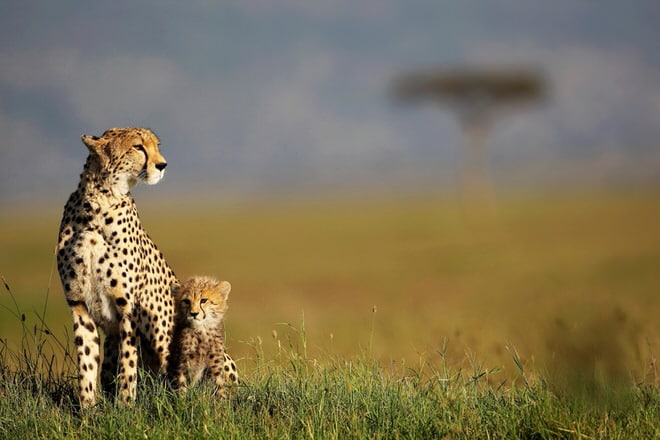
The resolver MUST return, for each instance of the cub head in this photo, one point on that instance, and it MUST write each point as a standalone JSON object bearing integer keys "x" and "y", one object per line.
{"x": 126, "y": 156}
{"x": 202, "y": 301}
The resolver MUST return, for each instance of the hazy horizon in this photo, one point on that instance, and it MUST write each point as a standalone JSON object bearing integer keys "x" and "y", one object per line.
{"x": 255, "y": 97}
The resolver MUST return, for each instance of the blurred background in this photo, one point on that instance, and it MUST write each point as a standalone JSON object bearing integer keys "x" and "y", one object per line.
{"x": 295, "y": 172}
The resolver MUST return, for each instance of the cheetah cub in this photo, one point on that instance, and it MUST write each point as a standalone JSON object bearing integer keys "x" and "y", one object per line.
{"x": 198, "y": 347}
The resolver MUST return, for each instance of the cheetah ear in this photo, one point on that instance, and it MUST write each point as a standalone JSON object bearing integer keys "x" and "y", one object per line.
{"x": 96, "y": 145}
{"x": 225, "y": 288}
{"x": 176, "y": 290}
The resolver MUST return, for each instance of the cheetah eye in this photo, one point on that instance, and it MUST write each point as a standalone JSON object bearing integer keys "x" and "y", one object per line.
{"x": 203, "y": 300}
{"x": 185, "y": 302}
{"x": 139, "y": 147}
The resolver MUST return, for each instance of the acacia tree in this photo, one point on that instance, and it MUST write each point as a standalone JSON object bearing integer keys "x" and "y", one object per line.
{"x": 478, "y": 97}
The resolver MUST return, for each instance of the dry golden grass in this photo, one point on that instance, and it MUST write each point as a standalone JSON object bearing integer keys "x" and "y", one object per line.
{"x": 571, "y": 282}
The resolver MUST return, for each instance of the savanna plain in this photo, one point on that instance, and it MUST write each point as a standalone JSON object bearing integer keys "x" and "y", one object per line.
{"x": 373, "y": 317}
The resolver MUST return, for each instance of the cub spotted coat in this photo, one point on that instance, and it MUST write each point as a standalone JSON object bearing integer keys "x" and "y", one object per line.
{"x": 198, "y": 347}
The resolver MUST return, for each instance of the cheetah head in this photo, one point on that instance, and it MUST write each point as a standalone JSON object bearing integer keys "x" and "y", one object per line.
{"x": 202, "y": 301}
{"x": 126, "y": 156}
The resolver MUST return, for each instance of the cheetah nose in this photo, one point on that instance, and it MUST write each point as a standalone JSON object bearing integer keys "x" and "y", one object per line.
{"x": 161, "y": 166}
{"x": 194, "y": 314}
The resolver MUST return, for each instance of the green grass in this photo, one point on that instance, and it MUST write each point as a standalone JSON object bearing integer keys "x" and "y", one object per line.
{"x": 420, "y": 321}
{"x": 294, "y": 396}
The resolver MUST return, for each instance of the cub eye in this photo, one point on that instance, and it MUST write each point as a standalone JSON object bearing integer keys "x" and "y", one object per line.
{"x": 203, "y": 300}
{"x": 185, "y": 302}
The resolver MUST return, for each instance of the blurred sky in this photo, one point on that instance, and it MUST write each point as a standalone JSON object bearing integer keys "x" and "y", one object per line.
{"x": 250, "y": 96}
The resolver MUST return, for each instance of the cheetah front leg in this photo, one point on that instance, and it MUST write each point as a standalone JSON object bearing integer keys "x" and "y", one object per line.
{"x": 86, "y": 338}
{"x": 180, "y": 380}
{"x": 127, "y": 380}
{"x": 219, "y": 370}
{"x": 109, "y": 367}
{"x": 178, "y": 372}
{"x": 161, "y": 346}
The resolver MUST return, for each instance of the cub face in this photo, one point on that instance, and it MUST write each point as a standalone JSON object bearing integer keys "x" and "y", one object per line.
{"x": 202, "y": 302}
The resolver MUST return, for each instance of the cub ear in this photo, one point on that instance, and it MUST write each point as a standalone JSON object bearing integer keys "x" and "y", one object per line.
{"x": 225, "y": 288}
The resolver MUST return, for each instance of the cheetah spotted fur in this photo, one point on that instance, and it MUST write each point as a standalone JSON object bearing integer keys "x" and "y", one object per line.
{"x": 112, "y": 274}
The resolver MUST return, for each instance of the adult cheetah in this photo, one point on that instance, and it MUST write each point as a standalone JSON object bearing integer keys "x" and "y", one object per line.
{"x": 113, "y": 275}
{"x": 198, "y": 345}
